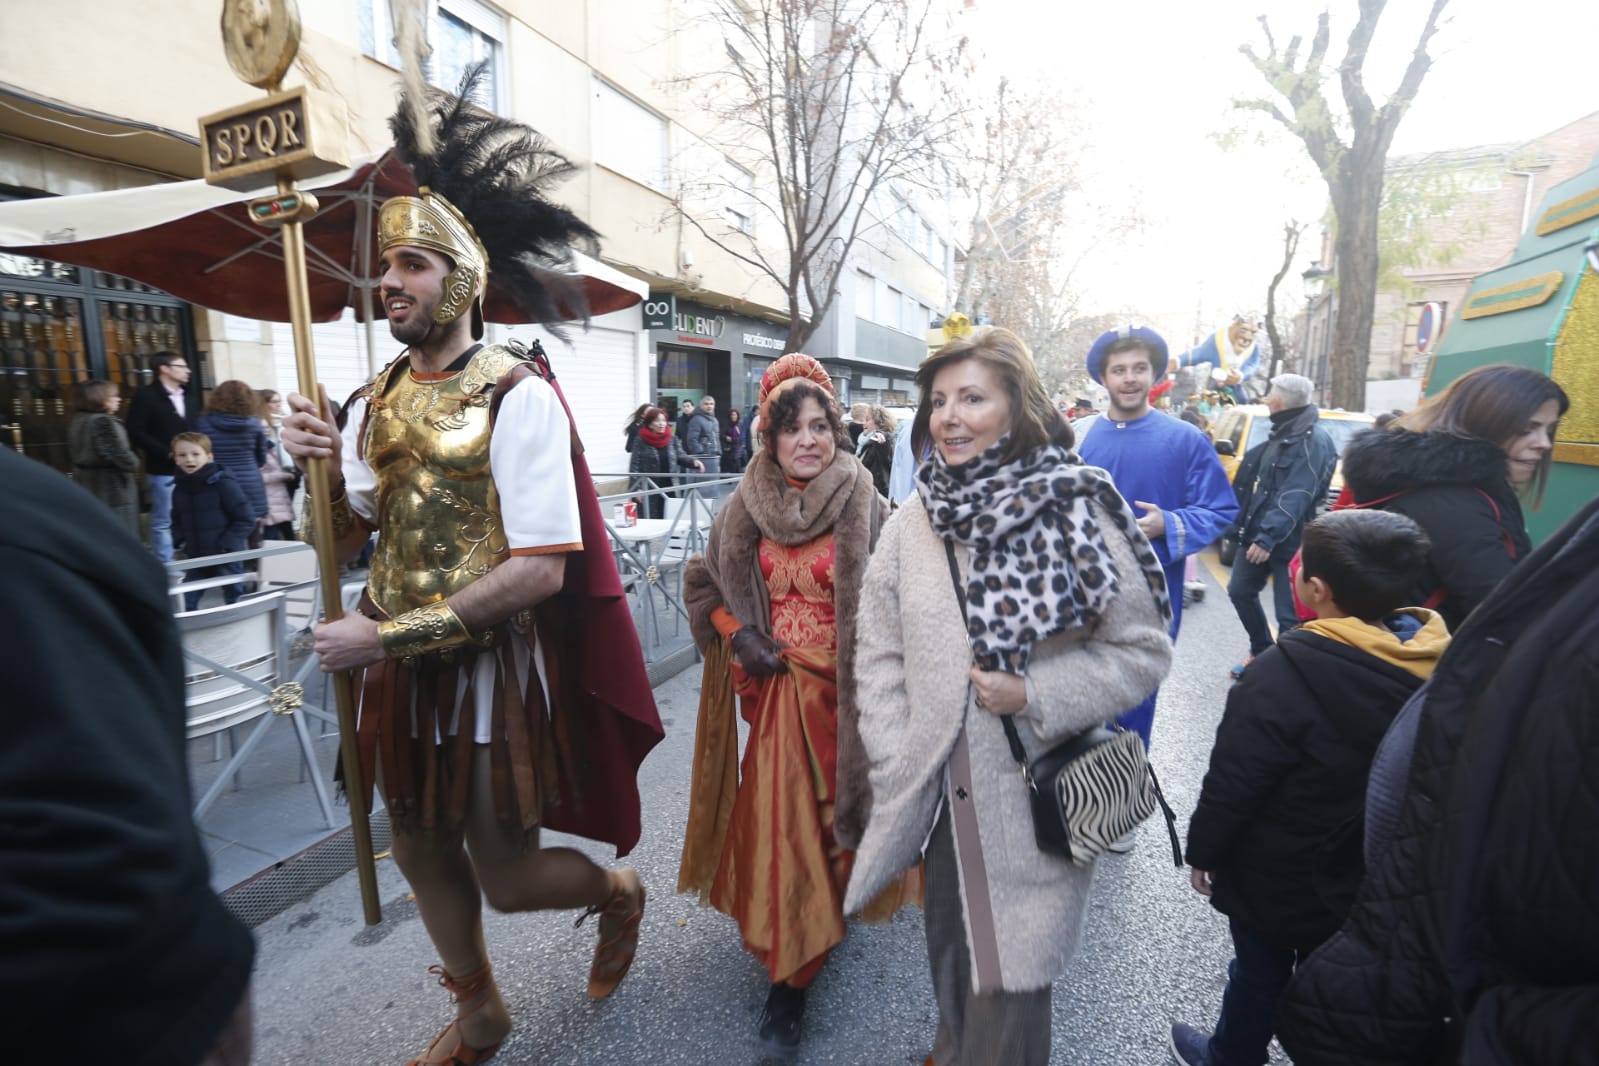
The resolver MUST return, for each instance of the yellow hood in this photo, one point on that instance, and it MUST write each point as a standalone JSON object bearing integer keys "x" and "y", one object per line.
{"x": 1418, "y": 655}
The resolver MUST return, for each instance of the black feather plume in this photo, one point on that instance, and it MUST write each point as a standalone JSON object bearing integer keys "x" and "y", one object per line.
{"x": 497, "y": 172}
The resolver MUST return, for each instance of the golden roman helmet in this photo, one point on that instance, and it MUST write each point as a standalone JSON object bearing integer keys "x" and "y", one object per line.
{"x": 430, "y": 221}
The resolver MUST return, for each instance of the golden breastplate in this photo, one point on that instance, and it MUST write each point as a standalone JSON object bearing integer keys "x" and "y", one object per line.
{"x": 427, "y": 442}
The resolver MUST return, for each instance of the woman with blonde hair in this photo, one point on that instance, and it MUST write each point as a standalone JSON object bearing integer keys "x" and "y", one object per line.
{"x": 1059, "y": 625}
{"x": 772, "y": 603}
{"x": 875, "y": 448}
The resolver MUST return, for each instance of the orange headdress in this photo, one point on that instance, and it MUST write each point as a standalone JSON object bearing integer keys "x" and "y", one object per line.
{"x": 795, "y": 366}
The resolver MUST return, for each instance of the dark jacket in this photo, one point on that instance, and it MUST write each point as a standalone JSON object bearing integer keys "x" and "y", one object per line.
{"x": 647, "y": 460}
{"x": 1281, "y": 483}
{"x": 1279, "y": 813}
{"x": 239, "y": 445}
{"x": 1475, "y": 936}
{"x": 102, "y": 461}
{"x": 734, "y": 451}
{"x": 703, "y": 436}
{"x": 152, "y": 423}
{"x": 210, "y": 514}
{"x": 878, "y": 457}
{"x": 1456, "y": 490}
{"x": 113, "y": 948}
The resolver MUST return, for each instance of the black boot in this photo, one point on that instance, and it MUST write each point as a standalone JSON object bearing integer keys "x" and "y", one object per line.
{"x": 780, "y": 1020}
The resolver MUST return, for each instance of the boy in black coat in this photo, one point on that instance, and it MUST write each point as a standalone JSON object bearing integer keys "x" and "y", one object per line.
{"x": 210, "y": 514}
{"x": 1275, "y": 840}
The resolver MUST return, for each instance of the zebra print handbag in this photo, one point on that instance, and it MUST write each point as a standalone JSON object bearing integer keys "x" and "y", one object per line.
{"x": 1089, "y": 791}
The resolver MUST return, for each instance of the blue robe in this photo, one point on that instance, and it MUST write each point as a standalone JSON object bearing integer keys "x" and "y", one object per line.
{"x": 1165, "y": 461}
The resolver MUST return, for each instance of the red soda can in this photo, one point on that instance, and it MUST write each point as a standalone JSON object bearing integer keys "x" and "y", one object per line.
{"x": 631, "y": 512}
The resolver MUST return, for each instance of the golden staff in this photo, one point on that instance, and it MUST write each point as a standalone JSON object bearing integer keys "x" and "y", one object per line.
{"x": 291, "y": 135}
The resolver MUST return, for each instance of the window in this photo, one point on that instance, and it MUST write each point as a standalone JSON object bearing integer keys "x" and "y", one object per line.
{"x": 628, "y": 137}
{"x": 738, "y": 192}
{"x": 927, "y": 244}
{"x": 865, "y": 296}
{"x": 460, "y": 32}
{"x": 889, "y": 313}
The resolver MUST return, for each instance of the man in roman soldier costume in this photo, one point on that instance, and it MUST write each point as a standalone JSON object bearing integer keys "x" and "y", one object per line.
{"x": 501, "y": 687}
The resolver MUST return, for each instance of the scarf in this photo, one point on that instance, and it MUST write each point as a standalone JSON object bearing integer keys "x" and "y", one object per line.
{"x": 1039, "y": 562}
{"x": 654, "y": 438}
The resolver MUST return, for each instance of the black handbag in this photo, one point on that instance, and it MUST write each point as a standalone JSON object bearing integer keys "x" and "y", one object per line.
{"x": 1089, "y": 791}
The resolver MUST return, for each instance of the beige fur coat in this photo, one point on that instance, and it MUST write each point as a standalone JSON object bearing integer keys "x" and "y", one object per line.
{"x": 910, "y": 688}
{"x": 841, "y": 498}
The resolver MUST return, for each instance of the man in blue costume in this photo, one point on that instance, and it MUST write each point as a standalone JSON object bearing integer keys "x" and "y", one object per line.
{"x": 1166, "y": 468}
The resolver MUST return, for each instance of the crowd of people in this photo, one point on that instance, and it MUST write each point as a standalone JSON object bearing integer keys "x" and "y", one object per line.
{"x": 217, "y": 479}
{"x": 1444, "y": 914}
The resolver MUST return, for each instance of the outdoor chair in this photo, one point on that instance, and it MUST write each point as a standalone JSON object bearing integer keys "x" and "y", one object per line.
{"x": 235, "y": 658}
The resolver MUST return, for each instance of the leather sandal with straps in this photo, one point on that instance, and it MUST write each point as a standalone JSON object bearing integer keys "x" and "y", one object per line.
{"x": 619, "y": 921}
{"x": 462, "y": 989}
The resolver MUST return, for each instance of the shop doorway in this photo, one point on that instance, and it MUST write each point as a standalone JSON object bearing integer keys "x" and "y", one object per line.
{"x": 61, "y": 325}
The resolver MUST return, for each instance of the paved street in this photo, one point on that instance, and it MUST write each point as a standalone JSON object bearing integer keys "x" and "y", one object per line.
{"x": 329, "y": 990}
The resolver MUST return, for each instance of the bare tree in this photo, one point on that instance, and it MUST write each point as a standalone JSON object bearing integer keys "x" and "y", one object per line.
{"x": 1292, "y": 231}
{"x": 1351, "y": 166}
{"x": 1023, "y": 245}
{"x": 829, "y": 104}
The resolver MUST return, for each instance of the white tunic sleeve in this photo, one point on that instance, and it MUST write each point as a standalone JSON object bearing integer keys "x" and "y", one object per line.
{"x": 360, "y": 484}
{"x": 531, "y": 457}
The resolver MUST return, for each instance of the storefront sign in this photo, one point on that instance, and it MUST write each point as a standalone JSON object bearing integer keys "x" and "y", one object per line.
{"x": 756, "y": 340}
{"x": 659, "y": 310}
{"x": 698, "y": 329}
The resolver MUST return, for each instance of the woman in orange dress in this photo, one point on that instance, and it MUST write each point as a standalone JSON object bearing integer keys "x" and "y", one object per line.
{"x": 772, "y": 603}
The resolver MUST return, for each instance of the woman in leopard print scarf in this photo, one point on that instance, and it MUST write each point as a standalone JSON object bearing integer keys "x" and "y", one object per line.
{"x": 1038, "y": 559}
{"x": 1065, "y": 627}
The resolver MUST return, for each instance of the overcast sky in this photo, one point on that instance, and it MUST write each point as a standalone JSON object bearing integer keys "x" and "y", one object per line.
{"x": 1158, "y": 77}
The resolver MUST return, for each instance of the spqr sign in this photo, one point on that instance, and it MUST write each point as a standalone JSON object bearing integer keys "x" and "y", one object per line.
{"x": 292, "y": 134}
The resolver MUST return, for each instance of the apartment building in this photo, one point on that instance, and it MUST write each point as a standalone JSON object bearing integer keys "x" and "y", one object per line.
{"x": 96, "y": 97}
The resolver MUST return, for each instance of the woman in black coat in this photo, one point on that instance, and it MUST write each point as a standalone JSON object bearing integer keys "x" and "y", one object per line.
{"x": 1461, "y": 466}
{"x": 232, "y": 420}
{"x": 102, "y": 460}
{"x": 657, "y": 454}
{"x": 875, "y": 446}
{"x": 734, "y": 451}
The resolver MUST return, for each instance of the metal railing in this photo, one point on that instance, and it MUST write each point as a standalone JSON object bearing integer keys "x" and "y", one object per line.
{"x": 651, "y": 552}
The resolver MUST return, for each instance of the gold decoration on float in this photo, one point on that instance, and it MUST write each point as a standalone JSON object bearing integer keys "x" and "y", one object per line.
{"x": 1576, "y": 368}
{"x": 1517, "y": 296}
{"x": 1579, "y": 208}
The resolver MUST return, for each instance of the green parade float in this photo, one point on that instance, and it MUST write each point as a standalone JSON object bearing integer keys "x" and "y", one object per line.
{"x": 1541, "y": 310}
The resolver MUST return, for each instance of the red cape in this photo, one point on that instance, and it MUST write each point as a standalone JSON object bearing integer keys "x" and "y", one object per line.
{"x": 600, "y": 686}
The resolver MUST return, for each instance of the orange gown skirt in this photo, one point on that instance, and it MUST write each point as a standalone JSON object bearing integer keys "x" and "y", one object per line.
{"x": 779, "y": 872}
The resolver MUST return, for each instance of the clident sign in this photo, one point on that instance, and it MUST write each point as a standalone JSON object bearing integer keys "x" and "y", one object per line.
{"x": 699, "y": 327}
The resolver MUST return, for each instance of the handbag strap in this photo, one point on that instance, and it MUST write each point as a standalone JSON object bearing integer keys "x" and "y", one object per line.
{"x": 1017, "y": 752}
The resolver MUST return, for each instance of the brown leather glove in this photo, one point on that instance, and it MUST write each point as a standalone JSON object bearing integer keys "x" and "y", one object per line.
{"x": 757, "y": 653}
